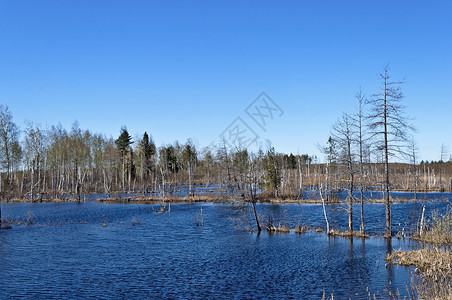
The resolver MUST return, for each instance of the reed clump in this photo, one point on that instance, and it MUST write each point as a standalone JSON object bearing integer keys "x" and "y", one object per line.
{"x": 280, "y": 228}
{"x": 356, "y": 234}
{"x": 434, "y": 281}
{"x": 439, "y": 230}
{"x": 283, "y": 229}
{"x": 431, "y": 261}
{"x": 300, "y": 229}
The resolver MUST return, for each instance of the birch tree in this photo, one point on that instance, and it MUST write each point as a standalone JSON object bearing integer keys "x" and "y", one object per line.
{"x": 189, "y": 160}
{"x": 34, "y": 144}
{"x": 443, "y": 157}
{"x": 330, "y": 152}
{"x": 9, "y": 138}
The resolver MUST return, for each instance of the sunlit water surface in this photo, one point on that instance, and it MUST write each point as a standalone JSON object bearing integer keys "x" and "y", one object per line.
{"x": 67, "y": 253}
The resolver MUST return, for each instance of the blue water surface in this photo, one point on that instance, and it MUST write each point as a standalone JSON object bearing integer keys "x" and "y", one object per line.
{"x": 116, "y": 251}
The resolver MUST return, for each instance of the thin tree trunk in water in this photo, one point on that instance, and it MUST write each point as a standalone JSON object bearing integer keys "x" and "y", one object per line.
{"x": 256, "y": 218}
{"x": 189, "y": 179}
{"x": 324, "y": 212}
{"x": 415, "y": 184}
{"x": 421, "y": 227}
{"x": 387, "y": 203}
{"x": 123, "y": 173}
{"x": 39, "y": 175}
{"x": 350, "y": 204}
{"x": 129, "y": 169}
{"x": 23, "y": 179}
{"x": 44, "y": 187}
{"x": 361, "y": 190}
{"x": 300, "y": 175}
{"x": 105, "y": 182}
{"x": 1, "y": 198}
{"x": 362, "y": 211}
{"x": 163, "y": 182}
{"x": 78, "y": 184}
{"x": 425, "y": 179}
{"x": 32, "y": 179}
{"x": 53, "y": 184}
{"x": 327, "y": 183}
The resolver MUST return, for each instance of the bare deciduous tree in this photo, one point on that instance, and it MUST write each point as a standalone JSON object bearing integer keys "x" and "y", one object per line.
{"x": 9, "y": 137}
{"x": 413, "y": 157}
{"x": 443, "y": 157}
{"x": 345, "y": 138}
{"x": 389, "y": 127}
{"x": 361, "y": 144}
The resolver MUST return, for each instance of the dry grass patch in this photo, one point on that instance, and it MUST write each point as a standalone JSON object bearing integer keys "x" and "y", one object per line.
{"x": 300, "y": 229}
{"x": 430, "y": 261}
{"x": 357, "y": 234}
{"x": 435, "y": 281}
{"x": 439, "y": 230}
{"x": 280, "y": 228}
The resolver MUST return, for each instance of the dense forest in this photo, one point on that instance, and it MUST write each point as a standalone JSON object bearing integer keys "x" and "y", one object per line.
{"x": 372, "y": 148}
{"x": 57, "y": 162}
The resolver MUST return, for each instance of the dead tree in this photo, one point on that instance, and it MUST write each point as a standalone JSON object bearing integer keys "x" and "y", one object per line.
{"x": 324, "y": 209}
{"x": 413, "y": 156}
{"x": 345, "y": 137}
{"x": 443, "y": 156}
{"x": 389, "y": 127}
{"x": 361, "y": 143}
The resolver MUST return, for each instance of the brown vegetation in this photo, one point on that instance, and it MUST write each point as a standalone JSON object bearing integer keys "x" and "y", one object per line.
{"x": 435, "y": 263}
{"x": 439, "y": 230}
{"x": 435, "y": 281}
{"x": 301, "y": 229}
{"x": 431, "y": 261}
{"x": 357, "y": 234}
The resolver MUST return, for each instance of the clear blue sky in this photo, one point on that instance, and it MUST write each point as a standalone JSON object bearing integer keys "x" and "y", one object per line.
{"x": 187, "y": 69}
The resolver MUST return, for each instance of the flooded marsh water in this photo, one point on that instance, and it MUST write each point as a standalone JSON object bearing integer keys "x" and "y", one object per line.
{"x": 66, "y": 252}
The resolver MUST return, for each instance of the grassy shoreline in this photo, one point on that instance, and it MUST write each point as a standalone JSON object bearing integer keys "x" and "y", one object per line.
{"x": 134, "y": 198}
{"x": 434, "y": 260}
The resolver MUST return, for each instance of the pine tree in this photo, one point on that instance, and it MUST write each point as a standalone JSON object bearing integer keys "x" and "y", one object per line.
{"x": 273, "y": 168}
{"x": 123, "y": 143}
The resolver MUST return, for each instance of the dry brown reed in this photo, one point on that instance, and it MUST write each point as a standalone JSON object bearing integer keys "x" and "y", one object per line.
{"x": 439, "y": 230}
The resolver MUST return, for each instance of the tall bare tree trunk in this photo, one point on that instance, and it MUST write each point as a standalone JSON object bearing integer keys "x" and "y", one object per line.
{"x": 189, "y": 179}
{"x": 386, "y": 150}
{"x": 1, "y": 199}
{"x": 256, "y": 218}
{"x": 350, "y": 198}
{"x": 23, "y": 181}
{"x": 32, "y": 179}
{"x": 123, "y": 173}
{"x": 324, "y": 211}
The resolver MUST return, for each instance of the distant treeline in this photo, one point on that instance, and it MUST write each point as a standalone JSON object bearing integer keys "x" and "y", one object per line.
{"x": 56, "y": 162}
